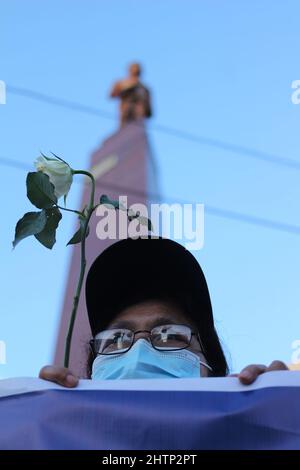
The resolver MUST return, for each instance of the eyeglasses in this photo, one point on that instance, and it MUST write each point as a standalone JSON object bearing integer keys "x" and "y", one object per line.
{"x": 162, "y": 338}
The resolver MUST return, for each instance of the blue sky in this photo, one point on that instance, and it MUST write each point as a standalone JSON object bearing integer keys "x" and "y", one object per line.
{"x": 221, "y": 70}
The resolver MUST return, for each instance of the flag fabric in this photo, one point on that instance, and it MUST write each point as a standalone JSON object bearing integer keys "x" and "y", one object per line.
{"x": 173, "y": 414}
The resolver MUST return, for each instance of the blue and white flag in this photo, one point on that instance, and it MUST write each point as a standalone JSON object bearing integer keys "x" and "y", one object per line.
{"x": 173, "y": 414}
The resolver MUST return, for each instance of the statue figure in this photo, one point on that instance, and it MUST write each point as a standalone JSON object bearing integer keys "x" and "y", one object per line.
{"x": 134, "y": 96}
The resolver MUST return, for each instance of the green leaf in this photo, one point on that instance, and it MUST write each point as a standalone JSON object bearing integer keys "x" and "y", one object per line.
{"x": 77, "y": 237}
{"x": 40, "y": 191}
{"x": 30, "y": 224}
{"x": 47, "y": 236}
{"x": 109, "y": 202}
{"x": 145, "y": 221}
{"x": 132, "y": 215}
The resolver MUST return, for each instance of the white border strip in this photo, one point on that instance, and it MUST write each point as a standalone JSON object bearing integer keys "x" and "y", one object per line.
{"x": 21, "y": 385}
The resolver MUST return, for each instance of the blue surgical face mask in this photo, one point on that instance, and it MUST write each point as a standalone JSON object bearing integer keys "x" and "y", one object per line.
{"x": 142, "y": 361}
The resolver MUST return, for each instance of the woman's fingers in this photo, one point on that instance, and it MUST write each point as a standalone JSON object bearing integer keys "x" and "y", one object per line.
{"x": 250, "y": 373}
{"x": 277, "y": 365}
{"x": 59, "y": 375}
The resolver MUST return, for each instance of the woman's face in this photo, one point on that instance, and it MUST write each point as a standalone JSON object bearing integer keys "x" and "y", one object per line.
{"x": 148, "y": 314}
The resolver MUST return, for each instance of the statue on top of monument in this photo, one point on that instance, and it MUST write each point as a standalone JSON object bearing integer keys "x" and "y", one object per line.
{"x": 135, "y": 103}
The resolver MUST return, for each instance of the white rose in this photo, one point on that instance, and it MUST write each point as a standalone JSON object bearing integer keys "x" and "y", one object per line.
{"x": 60, "y": 174}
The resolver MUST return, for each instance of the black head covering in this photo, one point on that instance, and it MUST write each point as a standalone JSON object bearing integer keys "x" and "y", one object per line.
{"x": 138, "y": 269}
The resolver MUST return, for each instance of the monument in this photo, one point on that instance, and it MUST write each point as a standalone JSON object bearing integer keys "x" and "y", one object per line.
{"x": 122, "y": 166}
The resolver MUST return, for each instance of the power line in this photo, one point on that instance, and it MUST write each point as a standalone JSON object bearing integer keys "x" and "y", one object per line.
{"x": 211, "y": 210}
{"x": 202, "y": 140}
{"x": 72, "y": 105}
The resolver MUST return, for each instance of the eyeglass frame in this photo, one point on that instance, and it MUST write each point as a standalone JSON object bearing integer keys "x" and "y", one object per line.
{"x": 193, "y": 333}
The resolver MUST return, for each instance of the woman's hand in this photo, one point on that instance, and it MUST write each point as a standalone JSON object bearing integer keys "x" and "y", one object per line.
{"x": 250, "y": 373}
{"x": 59, "y": 375}
{"x": 247, "y": 376}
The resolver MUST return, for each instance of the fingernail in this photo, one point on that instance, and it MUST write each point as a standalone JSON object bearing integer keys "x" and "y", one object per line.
{"x": 71, "y": 380}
